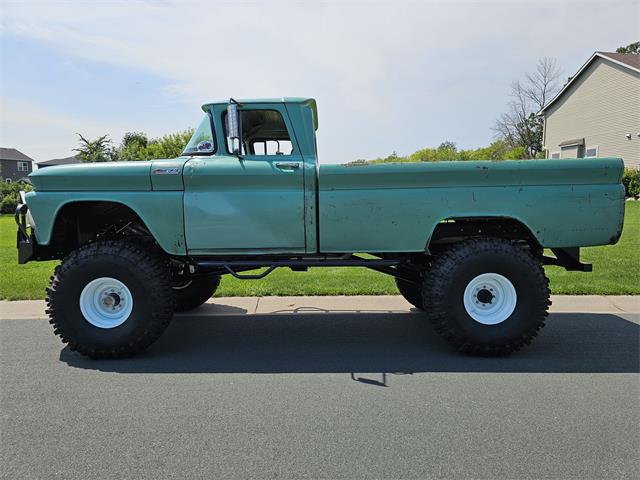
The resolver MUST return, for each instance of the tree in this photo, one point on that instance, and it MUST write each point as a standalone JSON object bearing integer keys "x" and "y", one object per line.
{"x": 631, "y": 48}
{"x": 520, "y": 126}
{"x": 133, "y": 146}
{"x": 168, "y": 146}
{"x": 98, "y": 150}
{"x": 136, "y": 146}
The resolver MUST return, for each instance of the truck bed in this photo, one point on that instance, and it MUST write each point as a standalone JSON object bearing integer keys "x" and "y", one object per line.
{"x": 395, "y": 207}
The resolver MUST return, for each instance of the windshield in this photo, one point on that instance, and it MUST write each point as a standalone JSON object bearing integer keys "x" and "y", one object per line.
{"x": 201, "y": 142}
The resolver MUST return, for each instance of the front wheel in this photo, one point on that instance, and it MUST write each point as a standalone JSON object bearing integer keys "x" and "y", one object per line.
{"x": 487, "y": 296}
{"x": 110, "y": 299}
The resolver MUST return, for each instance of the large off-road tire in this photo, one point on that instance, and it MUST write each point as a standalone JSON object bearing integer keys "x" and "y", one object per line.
{"x": 412, "y": 292}
{"x": 197, "y": 291}
{"x": 110, "y": 299}
{"x": 486, "y": 296}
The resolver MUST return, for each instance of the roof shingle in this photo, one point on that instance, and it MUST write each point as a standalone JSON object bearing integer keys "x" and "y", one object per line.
{"x": 631, "y": 59}
{"x": 60, "y": 161}
{"x": 13, "y": 154}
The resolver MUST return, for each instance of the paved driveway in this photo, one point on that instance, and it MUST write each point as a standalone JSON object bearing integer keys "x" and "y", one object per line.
{"x": 336, "y": 394}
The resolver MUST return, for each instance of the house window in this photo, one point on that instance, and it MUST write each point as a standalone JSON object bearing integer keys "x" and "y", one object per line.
{"x": 555, "y": 155}
{"x": 591, "y": 152}
{"x": 8, "y": 180}
{"x": 23, "y": 166}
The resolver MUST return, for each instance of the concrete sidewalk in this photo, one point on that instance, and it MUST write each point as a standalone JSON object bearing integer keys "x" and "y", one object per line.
{"x": 34, "y": 309}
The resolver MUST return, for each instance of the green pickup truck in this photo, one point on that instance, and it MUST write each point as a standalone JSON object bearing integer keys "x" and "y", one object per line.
{"x": 465, "y": 241}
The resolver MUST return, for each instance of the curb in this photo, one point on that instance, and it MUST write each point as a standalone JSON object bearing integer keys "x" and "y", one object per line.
{"x": 616, "y": 304}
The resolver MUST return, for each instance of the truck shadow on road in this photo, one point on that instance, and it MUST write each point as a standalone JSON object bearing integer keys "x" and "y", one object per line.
{"x": 370, "y": 342}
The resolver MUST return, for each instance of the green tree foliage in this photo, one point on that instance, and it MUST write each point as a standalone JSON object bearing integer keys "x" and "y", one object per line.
{"x": 631, "y": 48}
{"x": 133, "y": 146}
{"x": 448, "y": 151}
{"x": 136, "y": 146}
{"x": 98, "y": 150}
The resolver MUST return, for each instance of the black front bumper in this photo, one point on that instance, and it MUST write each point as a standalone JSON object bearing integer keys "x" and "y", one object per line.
{"x": 26, "y": 240}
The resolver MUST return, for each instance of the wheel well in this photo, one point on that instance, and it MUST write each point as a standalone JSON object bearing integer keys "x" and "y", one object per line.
{"x": 455, "y": 229}
{"x": 78, "y": 223}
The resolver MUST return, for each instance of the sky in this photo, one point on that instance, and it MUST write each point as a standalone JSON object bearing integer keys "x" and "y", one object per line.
{"x": 388, "y": 76}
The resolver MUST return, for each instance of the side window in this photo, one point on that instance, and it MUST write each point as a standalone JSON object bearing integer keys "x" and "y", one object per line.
{"x": 263, "y": 133}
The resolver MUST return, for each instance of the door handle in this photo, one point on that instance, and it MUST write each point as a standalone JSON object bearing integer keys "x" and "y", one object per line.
{"x": 288, "y": 164}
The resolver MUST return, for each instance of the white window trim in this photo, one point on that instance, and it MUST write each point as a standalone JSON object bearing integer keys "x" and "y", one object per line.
{"x": 7, "y": 180}
{"x": 555, "y": 153}
{"x": 591, "y": 147}
{"x": 23, "y": 164}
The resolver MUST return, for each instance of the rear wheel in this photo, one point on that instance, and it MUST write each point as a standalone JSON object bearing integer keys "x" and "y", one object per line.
{"x": 195, "y": 292}
{"x": 110, "y": 299}
{"x": 412, "y": 292}
{"x": 487, "y": 296}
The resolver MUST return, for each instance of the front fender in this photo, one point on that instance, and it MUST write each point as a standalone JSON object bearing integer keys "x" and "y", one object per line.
{"x": 161, "y": 211}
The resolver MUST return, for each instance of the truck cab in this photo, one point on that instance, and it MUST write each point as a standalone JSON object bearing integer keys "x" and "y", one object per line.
{"x": 261, "y": 180}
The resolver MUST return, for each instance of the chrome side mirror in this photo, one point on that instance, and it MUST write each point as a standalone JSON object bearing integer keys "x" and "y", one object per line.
{"x": 233, "y": 128}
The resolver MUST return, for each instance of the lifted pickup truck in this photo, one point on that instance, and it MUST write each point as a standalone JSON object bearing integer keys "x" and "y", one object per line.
{"x": 464, "y": 240}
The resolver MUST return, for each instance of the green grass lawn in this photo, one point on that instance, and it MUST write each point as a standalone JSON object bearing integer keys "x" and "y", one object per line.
{"x": 616, "y": 270}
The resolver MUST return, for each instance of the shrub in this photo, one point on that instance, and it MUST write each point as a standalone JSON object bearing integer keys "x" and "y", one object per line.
{"x": 9, "y": 195}
{"x": 631, "y": 182}
{"x": 8, "y": 204}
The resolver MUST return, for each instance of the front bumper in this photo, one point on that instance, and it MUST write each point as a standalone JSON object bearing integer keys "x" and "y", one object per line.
{"x": 26, "y": 240}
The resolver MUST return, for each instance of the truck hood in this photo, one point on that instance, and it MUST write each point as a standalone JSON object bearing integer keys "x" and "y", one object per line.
{"x": 120, "y": 176}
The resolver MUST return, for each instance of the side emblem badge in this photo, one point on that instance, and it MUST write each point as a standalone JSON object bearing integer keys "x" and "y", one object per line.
{"x": 166, "y": 171}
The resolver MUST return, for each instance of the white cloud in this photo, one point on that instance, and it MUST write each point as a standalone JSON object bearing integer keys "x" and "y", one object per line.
{"x": 386, "y": 75}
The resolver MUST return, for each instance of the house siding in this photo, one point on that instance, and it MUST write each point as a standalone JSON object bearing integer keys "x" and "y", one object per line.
{"x": 9, "y": 169}
{"x": 602, "y": 106}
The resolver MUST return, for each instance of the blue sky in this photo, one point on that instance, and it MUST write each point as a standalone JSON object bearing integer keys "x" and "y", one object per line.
{"x": 387, "y": 75}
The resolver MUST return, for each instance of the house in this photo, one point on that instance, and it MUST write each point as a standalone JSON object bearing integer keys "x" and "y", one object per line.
{"x": 14, "y": 165}
{"x": 58, "y": 161}
{"x": 597, "y": 113}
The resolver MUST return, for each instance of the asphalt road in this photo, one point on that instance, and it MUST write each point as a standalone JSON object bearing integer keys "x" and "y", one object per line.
{"x": 323, "y": 395}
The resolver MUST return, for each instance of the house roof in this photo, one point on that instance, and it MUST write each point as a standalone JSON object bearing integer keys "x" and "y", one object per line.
{"x": 627, "y": 60}
{"x": 571, "y": 143}
{"x": 59, "y": 161}
{"x": 630, "y": 59}
{"x": 13, "y": 154}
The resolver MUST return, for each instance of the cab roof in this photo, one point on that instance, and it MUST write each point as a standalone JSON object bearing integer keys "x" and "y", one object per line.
{"x": 311, "y": 102}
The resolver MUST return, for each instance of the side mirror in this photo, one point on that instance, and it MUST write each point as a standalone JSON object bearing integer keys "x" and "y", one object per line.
{"x": 233, "y": 128}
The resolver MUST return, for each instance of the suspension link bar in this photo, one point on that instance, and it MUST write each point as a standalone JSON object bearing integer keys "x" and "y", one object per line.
{"x": 233, "y": 267}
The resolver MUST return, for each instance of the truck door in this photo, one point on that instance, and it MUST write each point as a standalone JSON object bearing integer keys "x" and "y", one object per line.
{"x": 251, "y": 204}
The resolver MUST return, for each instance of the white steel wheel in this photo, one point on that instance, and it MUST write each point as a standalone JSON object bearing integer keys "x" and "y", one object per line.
{"x": 490, "y": 298}
{"x": 106, "y": 302}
